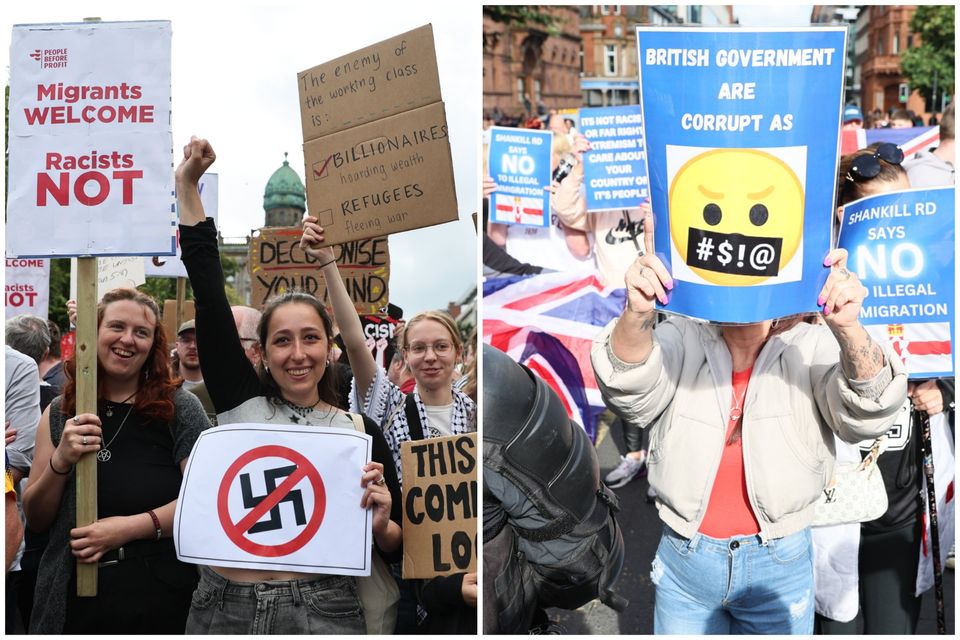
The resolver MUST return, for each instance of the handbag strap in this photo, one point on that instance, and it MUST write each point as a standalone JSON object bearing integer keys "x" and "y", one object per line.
{"x": 357, "y": 422}
{"x": 878, "y": 447}
{"x": 413, "y": 417}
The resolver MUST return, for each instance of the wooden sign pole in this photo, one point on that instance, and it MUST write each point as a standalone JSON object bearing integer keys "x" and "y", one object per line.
{"x": 86, "y": 355}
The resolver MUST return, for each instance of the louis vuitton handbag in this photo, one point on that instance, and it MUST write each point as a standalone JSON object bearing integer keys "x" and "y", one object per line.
{"x": 856, "y": 492}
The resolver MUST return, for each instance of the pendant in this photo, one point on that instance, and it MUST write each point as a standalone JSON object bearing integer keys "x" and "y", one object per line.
{"x": 109, "y": 411}
{"x": 103, "y": 455}
{"x": 735, "y": 415}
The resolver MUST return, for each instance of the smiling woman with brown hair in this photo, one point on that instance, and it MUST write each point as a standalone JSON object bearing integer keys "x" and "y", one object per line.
{"x": 144, "y": 428}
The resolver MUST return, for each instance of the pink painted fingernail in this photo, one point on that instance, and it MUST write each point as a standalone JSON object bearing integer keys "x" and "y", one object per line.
{"x": 825, "y": 311}
{"x": 820, "y": 301}
{"x": 669, "y": 284}
{"x": 827, "y": 262}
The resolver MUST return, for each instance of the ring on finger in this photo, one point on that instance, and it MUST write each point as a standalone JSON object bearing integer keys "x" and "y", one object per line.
{"x": 844, "y": 273}
{"x": 84, "y": 440}
{"x": 76, "y": 419}
{"x": 381, "y": 480}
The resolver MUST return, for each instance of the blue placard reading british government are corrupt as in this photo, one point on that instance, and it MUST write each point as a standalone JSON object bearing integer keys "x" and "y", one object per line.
{"x": 520, "y": 165}
{"x": 741, "y": 130}
{"x": 901, "y": 245}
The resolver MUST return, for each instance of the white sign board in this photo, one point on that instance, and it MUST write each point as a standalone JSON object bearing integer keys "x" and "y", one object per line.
{"x": 91, "y": 170}
{"x": 27, "y": 287}
{"x": 276, "y": 497}
{"x": 112, "y": 273}
{"x": 170, "y": 266}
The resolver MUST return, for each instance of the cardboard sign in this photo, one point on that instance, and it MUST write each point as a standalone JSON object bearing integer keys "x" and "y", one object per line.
{"x": 112, "y": 273}
{"x": 276, "y": 497}
{"x": 742, "y": 135}
{"x": 376, "y": 147}
{"x": 277, "y": 265}
{"x": 27, "y": 287}
{"x": 520, "y": 165}
{"x": 90, "y": 140}
{"x": 172, "y": 266}
{"x": 614, "y": 170}
{"x": 384, "y": 79}
{"x": 901, "y": 246}
{"x": 188, "y": 312}
{"x": 440, "y": 506}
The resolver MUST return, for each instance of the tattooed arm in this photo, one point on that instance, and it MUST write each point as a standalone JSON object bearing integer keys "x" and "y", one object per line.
{"x": 860, "y": 357}
{"x": 647, "y": 279}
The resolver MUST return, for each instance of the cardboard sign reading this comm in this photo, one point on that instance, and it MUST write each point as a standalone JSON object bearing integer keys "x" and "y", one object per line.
{"x": 278, "y": 265}
{"x": 439, "y": 506}
{"x": 376, "y": 149}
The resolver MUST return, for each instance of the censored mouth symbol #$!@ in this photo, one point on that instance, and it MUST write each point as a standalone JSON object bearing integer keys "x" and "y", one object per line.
{"x": 734, "y": 253}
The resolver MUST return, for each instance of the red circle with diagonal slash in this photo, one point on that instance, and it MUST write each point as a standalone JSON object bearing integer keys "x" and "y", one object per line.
{"x": 235, "y": 530}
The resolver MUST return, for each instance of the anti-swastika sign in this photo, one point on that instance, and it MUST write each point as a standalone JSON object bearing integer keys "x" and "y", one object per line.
{"x": 279, "y": 497}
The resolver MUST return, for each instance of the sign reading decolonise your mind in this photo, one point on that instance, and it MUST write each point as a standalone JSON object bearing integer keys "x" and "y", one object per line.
{"x": 519, "y": 162}
{"x": 614, "y": 170}
{"x": 901, "y": 245}
{"x": 741, "y": 130}
{"x": 90, "y": 141}
{"x": 375, "y": 140}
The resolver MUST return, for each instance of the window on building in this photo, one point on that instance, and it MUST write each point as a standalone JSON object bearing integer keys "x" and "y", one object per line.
{"x": 909, "y": 41}
{"x": 581, "y": 60}
{"x": 520, "y": 95}
{"x": 693, "y": 14}
{"x": 610, "y": 60}
{"x": 896, "y": 44}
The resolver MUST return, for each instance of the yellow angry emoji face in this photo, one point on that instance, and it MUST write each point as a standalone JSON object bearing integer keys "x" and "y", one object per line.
{"x": 736, "y": 215}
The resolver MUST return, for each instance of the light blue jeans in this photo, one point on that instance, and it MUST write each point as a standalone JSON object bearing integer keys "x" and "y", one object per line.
{"x": 733, "y": 586}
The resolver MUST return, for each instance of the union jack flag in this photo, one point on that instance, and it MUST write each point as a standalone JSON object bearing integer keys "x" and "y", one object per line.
{"x": 910, "y": 140}
{"x": 548, "y": 322}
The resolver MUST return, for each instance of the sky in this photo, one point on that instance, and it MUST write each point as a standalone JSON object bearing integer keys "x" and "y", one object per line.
{"x": 773, "y": 15}
{"x": 234, "y": 82}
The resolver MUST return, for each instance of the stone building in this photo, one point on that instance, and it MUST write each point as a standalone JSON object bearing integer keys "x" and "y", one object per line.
{"x": 284, "y": 203}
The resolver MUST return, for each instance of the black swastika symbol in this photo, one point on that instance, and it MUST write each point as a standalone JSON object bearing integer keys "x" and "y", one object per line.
{"x": 270, "y": 477}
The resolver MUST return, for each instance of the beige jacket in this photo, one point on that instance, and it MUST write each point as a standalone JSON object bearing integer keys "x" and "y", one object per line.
{"x": 797, "y": 398}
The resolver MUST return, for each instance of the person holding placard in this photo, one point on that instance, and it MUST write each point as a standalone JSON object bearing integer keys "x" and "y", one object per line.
{"x": 143, "y": 432}
{"x": 742, "y": 418}
{"x": 431, "y": 346}
{"x": 295, "y": 384}
{"x": 890, "y": 546}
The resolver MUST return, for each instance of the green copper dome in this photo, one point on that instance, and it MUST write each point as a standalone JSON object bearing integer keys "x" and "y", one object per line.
{"x": 284, "y": 189}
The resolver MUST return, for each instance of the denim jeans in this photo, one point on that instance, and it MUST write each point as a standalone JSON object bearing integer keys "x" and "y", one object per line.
{"x": 733, "y": 586}
{"x": 322, "y": 605}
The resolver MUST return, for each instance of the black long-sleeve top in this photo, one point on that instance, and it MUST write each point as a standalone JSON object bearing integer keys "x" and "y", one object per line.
{"x": 229, "y": 376}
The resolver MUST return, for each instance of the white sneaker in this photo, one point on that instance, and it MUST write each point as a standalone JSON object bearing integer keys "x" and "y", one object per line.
{"x": 628, "y": 469}
{"x": 951, "y": 558}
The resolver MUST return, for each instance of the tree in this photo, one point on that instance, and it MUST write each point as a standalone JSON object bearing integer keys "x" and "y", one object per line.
{"x": 933, "y": 61}
{"x": 528, "y": 17}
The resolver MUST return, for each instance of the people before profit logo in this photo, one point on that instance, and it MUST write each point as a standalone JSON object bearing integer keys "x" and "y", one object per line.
{"x": 50, "y": 58}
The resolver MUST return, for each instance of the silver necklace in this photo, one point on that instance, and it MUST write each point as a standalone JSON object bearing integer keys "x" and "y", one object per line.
{"x": 104, "y": 454}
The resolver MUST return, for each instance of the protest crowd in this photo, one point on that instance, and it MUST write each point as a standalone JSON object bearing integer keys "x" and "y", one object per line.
{"x": 752, "y": 540}
{"x": 267, "y": 469}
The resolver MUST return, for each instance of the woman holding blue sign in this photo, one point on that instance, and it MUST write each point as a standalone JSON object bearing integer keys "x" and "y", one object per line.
{"x": 887, "y": 563}
{"x": 295, "y": 385}
{"x": 742, "y": 420}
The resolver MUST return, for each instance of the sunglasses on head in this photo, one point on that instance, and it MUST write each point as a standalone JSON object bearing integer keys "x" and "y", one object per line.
{"x": 868, "y": 166}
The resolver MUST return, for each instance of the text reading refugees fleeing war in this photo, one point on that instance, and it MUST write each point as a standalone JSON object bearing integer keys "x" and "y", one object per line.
{"x": 739, "y": 59}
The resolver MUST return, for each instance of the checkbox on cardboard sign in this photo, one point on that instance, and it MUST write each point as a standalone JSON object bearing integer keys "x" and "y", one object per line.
{"x": 325, "y": 218}
{"x": 320, "y": 168}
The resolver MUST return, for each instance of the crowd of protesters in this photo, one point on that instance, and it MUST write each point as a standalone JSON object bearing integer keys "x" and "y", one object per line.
{"x": 846, "y": 390}
{"x": 157, "y": 393}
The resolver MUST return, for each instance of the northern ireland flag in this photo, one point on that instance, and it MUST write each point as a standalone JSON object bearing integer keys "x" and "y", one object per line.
{"x": 548, "y": 322}
{"x": 910, "y": 140}
{"x": 519, "y": 210}
{"x": 925, "y": 348}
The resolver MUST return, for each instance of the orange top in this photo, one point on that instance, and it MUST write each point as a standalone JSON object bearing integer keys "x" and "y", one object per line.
{"x": 729, "y": 512}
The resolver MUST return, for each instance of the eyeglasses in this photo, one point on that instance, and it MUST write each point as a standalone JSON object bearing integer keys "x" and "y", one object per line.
{"x": 868, "y": 166}
{"x": 440, "y": 348}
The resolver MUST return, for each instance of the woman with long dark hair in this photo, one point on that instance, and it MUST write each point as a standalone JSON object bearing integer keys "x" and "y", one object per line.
{"x": 295, "y": 384}
{"x": 142, "y": 433}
